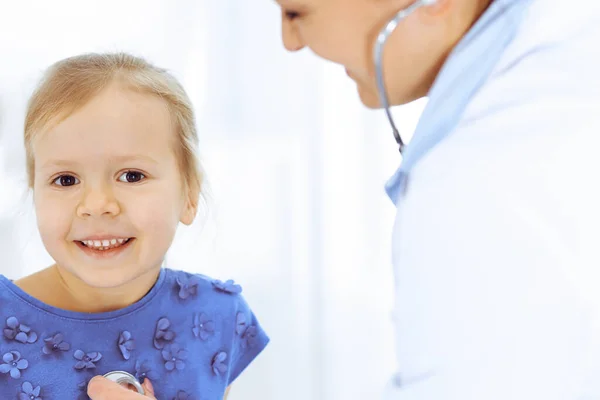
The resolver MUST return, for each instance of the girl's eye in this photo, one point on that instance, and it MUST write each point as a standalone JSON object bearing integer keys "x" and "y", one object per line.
{"x": 66, "y": 180}
{"x": 292, "y": 15}
{"x": 131, "y": 177}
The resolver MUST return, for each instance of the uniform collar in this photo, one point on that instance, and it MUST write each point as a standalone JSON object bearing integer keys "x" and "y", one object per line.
{"x": 465, "y": 71}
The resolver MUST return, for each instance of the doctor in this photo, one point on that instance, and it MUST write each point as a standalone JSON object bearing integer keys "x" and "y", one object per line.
{"x": 496, "y": 241}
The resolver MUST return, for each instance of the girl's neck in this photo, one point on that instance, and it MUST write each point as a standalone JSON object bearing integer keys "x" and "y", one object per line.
{"x": 61, "y": 289}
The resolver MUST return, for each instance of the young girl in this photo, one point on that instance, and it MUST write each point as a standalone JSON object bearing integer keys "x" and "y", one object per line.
{"x": 110, "y": 143}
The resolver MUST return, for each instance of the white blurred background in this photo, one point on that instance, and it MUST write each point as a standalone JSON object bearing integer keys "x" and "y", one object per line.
{"x": 296, "y": 165}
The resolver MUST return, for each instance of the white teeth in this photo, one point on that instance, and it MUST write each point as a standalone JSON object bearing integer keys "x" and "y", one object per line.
{"x": 104, "y": 244}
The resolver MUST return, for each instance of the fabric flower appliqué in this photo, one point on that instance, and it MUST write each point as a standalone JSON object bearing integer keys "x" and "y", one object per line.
{"x": 227, "y": 287}
{"x": 28, "y": 392}
{"x": 188, "y": 286}
{"x": 203, "y": 326}
{"x": 13, "y": 364}
{"x": 86, "y": 361}
{"x": 181, "y": 395}
{"x": 163, "y": 335}
{"x": 174, "y": 358}
{"x": 218, "y": 363}
{"x": 241, "y": 323}
{"x": 54, "y": 344}
{"x": 126, "y": 344}
{"x": 249, "y": 338}
{"x": 19, "y": 332}
{"x": 143, "y": 371}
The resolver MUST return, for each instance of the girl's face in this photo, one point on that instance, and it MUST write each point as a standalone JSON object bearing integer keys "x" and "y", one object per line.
{"x": 345, "y": 31}
{"x": 108, "y": 191}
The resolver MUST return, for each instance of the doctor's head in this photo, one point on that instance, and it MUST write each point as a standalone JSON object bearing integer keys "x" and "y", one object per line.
{"x": 345, "y": 32}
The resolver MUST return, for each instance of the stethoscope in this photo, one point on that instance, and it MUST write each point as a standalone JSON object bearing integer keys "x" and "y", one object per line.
{"x": 378, "y": 58}
{"x": 125, "y": 378}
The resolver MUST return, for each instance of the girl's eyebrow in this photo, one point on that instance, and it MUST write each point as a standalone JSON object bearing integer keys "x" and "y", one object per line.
{"x": 134, "y": 157}
{"x": 288, "y": 3}
{"x": 58, "y": 163}
{"x": 116, "y": 159}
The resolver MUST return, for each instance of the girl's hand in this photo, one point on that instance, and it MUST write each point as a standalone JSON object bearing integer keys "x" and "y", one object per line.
{"x": 101, "y": 388}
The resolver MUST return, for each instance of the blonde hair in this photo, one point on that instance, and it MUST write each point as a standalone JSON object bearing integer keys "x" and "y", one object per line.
{"x": 71, "y": 83}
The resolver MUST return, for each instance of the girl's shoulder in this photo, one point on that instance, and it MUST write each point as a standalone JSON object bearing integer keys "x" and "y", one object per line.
{"x": 220, "y": 302}
{"x": 196, "y": 290}
{"x": 188, "y": 284}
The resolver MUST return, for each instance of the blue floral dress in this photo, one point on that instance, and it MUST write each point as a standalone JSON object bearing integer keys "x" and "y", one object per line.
{"x": 190, "y": 335}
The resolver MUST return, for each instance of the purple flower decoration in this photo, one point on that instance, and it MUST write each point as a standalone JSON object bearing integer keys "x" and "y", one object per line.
{"x": 54, "y": 344}
{"x": 227, "y": 287}
{"x": 181, "y": 395}
{"x": 13, "y": 364}
{"x": 241, "y": 323}
{"x": 19, "y": 332}
{"x": 203, "y": 326}
{"x": 143, "y": 371}
{"x": 29, "y": 393}
{"x": 218, "y": 363}
{"x": 249, "y": 337}
{"x": 188, "y": 286}
{"x": 174, "y": 358}
{"x": 86, "y": 361}
{"x": 163, "y": 335}
{"x": 126, "y": 344}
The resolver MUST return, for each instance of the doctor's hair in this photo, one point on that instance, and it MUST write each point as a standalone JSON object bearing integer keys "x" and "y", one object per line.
{"x": 69, "y": 84}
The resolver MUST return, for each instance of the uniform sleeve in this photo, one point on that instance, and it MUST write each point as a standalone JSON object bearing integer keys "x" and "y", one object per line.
{"x": 250, "y": 339}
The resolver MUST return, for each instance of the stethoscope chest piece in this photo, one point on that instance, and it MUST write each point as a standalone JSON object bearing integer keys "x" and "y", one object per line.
{"x": 124, "y": 378}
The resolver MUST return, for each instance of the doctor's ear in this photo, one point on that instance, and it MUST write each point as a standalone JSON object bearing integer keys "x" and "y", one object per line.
{"x": 436, "y": 8}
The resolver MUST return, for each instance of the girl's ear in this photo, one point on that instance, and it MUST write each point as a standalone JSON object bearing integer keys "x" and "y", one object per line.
{"x": 190, "y": 206}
